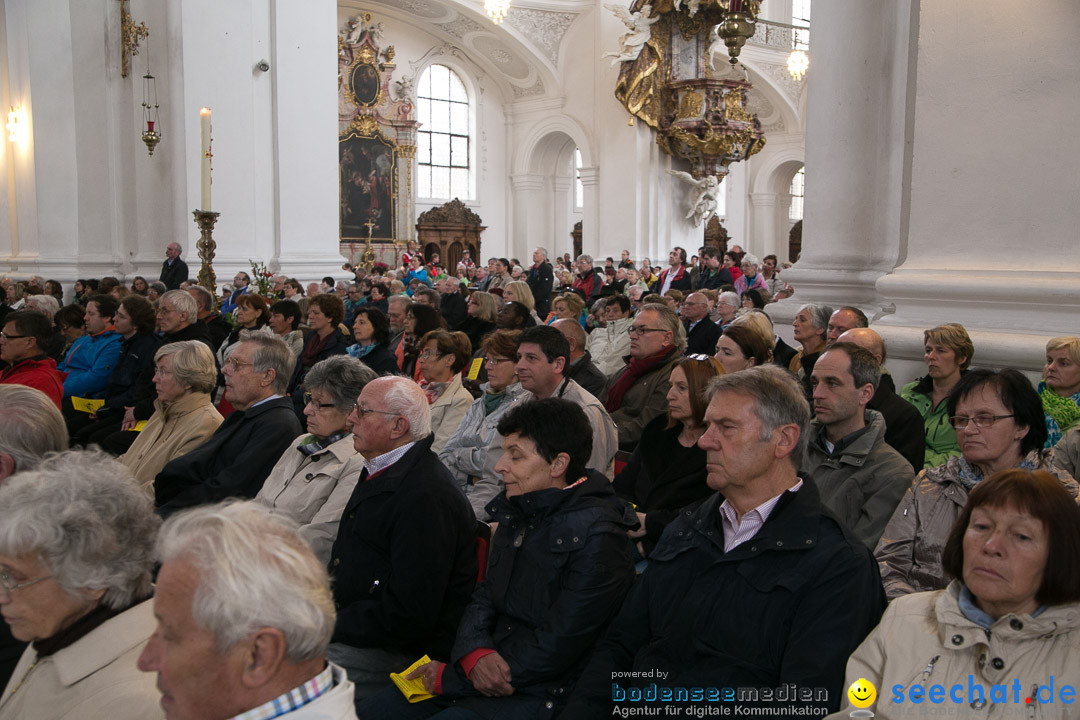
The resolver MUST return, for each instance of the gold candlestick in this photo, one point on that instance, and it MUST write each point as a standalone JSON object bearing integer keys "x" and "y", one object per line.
{"x": 206, "y": 246}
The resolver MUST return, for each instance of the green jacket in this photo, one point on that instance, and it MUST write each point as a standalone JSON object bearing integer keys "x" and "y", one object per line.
{"x": 940, "y": 437}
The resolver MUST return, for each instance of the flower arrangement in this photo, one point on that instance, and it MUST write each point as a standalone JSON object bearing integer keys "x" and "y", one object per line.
{"x": 262, "y": 281}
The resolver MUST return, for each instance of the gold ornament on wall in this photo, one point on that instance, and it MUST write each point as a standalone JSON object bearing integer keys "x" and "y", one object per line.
{"x": 130, "y": 35}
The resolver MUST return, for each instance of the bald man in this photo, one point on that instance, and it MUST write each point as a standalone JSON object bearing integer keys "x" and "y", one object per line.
{"x": 903, "y": 423}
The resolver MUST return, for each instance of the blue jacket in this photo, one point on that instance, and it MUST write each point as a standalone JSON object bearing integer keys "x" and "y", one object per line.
{"x": 89, "y": 364}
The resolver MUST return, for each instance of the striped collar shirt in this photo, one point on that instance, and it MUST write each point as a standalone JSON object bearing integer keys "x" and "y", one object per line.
{"x": 294, "y": 699}
{"x": 738, "y": 530}
{"x": 376, "y": 465}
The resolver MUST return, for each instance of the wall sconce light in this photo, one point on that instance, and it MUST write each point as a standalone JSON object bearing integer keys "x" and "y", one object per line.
{"x": 13, "y": 125}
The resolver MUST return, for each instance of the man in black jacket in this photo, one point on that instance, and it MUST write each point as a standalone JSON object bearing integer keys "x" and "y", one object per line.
{"x": 451, "y": 302}
{"x": 541, "y": 278}
{"x": 757, "y": 588}
{"x": 218, "y": 326}
{"x": 174, "y": 270}
{"x": 238, "y": 457}
{"x": 404, "y": 561}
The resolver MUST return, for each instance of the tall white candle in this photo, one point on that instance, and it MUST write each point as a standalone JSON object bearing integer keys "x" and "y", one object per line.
{"x": 204, "y": 116}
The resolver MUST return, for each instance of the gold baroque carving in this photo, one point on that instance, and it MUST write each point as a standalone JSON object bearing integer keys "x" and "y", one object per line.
{"x": 691, "y": 106}
{"x": 366, "y": 125}
{"x": 451, "y": 212}
{"x": 363, "y": 70}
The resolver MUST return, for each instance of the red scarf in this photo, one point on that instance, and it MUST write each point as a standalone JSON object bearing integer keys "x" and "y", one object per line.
{"x": 630, "y": 375}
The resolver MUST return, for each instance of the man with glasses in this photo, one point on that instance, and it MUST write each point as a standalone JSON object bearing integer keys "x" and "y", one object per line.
{"x": 701, "y": 332}
{"x": 639, "y": 393}
{"x": 21, "y": 347}
{"x": 239, "y": 456}
{"x": 404, "y": 561}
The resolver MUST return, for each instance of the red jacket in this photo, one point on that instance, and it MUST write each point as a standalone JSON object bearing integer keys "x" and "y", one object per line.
{"x": 39, "y": 373}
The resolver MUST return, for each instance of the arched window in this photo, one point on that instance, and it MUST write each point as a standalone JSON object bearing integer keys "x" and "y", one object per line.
{"x": 796, "y": 211}
{"x": 443, "y": 148}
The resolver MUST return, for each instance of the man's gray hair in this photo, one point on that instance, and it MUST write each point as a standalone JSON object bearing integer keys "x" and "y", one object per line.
{"x": 85, "y": 517}
{"x": 778, "y": 400}
{"x": 206, "y": 300}
{"x": 543, "y": 251}
{"x": 405, "y": 300}
{"x": 343, "y": 376}
{"x": 586, "y": 257}
{"x": 572, "y": 330}
{"x": 865, "y": 369}
{"x": 669, "y": 319}
{"x": 193, "y": 364}
{"x": 31, "y": 426}
{"x": 404, "y": 397}
{"x": 44, "y": 304}
{"x": 819, "y": 316}
{"x": 255, "y": 572}
{"x": 182, "y": 301}
{"x": 271, "y": 353}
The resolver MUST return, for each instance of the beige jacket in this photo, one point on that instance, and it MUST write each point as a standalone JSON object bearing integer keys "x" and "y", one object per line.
{"x": 169, "y": 433}
{"x": 909, "y": 552}
{"x": 95, "y": 678}
{"x": 1067, "y": 452}
{"x": 924, "y": 639}
{"x": 313, "y": 490}
{"x": 448, "y": 411}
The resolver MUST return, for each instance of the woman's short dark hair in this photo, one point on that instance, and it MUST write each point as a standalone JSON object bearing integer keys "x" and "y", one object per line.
{"x": 73, "y": 315}
{"x": 256, "y": 303}
{"x": 750, "y": 343}
{"x": 141, "y": 312}
{"x": 331, "y": 306}
{"x": 503, "y": 343}
{"x": 1042, "y": 496}
{"x": 555, "y": 426}
{"x": 699, "y": 373}
{"x": 451, "y": 343}
{"x": 106, "y": 304}
{"x": 295, "y": 285}
{"x": 756, "y": 297}
{"x": 379, "y": 322}
{"x": 288, "y": 310}
{"x": 427, "y": 319}
{"x": 1016, "y": 395}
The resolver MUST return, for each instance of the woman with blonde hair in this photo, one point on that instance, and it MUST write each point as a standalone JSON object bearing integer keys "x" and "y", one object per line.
{"x": 184, "y": 415}
{"x": 518, "y": 291}
{"x": 1060, "y": 387}
{"x": 947, "y": 352}
{"x": 482, "y": 308}
{"x": 567, "y": 306}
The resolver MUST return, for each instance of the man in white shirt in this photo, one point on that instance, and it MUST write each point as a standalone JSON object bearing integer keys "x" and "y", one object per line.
{"x": 244, "y": 615}
{"x": 757, "y": 587}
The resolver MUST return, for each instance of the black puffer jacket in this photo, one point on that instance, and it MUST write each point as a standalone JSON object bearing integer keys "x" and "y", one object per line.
{"x": 558, "y": 570}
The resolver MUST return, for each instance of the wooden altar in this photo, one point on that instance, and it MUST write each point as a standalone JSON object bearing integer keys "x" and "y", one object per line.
{"x": 448, "y": 230}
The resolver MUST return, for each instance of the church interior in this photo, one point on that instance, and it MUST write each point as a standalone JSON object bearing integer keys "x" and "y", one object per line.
{"x": 926, "y": 146}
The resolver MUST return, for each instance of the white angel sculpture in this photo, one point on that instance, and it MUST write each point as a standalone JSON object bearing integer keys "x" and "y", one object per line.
{"x": 703, "y": 196}
{"x": 630, "y": 43}
{"x": 693, "y": 5}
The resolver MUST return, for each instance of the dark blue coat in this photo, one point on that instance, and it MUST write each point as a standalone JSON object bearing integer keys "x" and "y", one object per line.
{"x": 136, "y": 355}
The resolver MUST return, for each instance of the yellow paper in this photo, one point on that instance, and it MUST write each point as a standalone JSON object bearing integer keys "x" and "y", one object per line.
{"x": 474, "y": 368}
{"x": 86, "y": 406}
{"x": 139, "y": 426}
{"x": 413, "y": 690}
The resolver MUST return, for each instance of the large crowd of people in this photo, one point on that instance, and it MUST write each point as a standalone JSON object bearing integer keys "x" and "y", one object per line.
{"x": 519, "y": 490}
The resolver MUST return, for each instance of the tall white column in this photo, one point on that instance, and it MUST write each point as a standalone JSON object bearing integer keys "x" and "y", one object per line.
{"x": 529, "y": 213}
{"x": 857, "y": 157}
{"x": 562, "y": 189}
{"x": 590, "y": 211}
{"x": 764, "y": 238}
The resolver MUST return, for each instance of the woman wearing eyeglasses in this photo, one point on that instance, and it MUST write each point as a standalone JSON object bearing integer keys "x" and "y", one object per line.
{"x": 443, "y": 357}
{"x": 999, "y": 426}
{"x": 466, "y": 452}
{"x": 315, "y": 476}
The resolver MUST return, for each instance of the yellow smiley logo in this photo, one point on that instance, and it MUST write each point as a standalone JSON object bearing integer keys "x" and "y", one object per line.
{"x": 862, "y": 693}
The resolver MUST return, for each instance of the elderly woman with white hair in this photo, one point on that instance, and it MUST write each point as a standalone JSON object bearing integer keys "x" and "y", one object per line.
{"x": 76, "y": 536}
{"x": 184, "y": 415}
{"x": 750, "y": 278}
{"x": 811, "y": 326}
{"x": 316, "y": 474}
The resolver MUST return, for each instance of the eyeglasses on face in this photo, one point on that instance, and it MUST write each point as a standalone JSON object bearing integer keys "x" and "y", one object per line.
{"x": 430, "y": 354}
{"x": 308, "y": 400}
{"x": 237, "y": 364}
{"x": 497, "y": 361}
{"x": 10, "y": 586}
{"x": 5, "y": 336}
{"x": 361, "y": 411}
{"x": 959, "y": 422}
{"x": 639, "y": 330}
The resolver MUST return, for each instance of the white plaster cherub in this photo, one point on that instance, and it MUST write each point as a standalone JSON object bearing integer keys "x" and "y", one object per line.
{"x": 638, "y": 23}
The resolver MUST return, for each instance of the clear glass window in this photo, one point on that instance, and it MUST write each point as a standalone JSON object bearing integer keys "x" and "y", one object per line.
{"x": 443, "y": 143}
{"x": 796, "y": 211}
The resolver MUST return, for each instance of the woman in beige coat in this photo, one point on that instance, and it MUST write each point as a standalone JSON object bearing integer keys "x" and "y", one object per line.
{"x": 184, "y": 415}
{"x": 76, "y": 541}
{"x": 1001, "y": 639}
{"x": 315, "y": 477}
{"x": 443, "y": 356}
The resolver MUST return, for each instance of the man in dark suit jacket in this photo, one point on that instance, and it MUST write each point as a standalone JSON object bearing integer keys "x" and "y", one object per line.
{"x": 903, "y": 424}
{"x": 174, "y": 270}
{"x": 239, "y": 456}
{"x": 541, "y": 277}
{"x": 701, "y": 332}
{"x": 404, "y": 561}
{"x": 451, "y": 302}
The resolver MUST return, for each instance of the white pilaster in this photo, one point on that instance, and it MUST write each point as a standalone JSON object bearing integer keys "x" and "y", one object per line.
{"x": 590, "y": 219}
